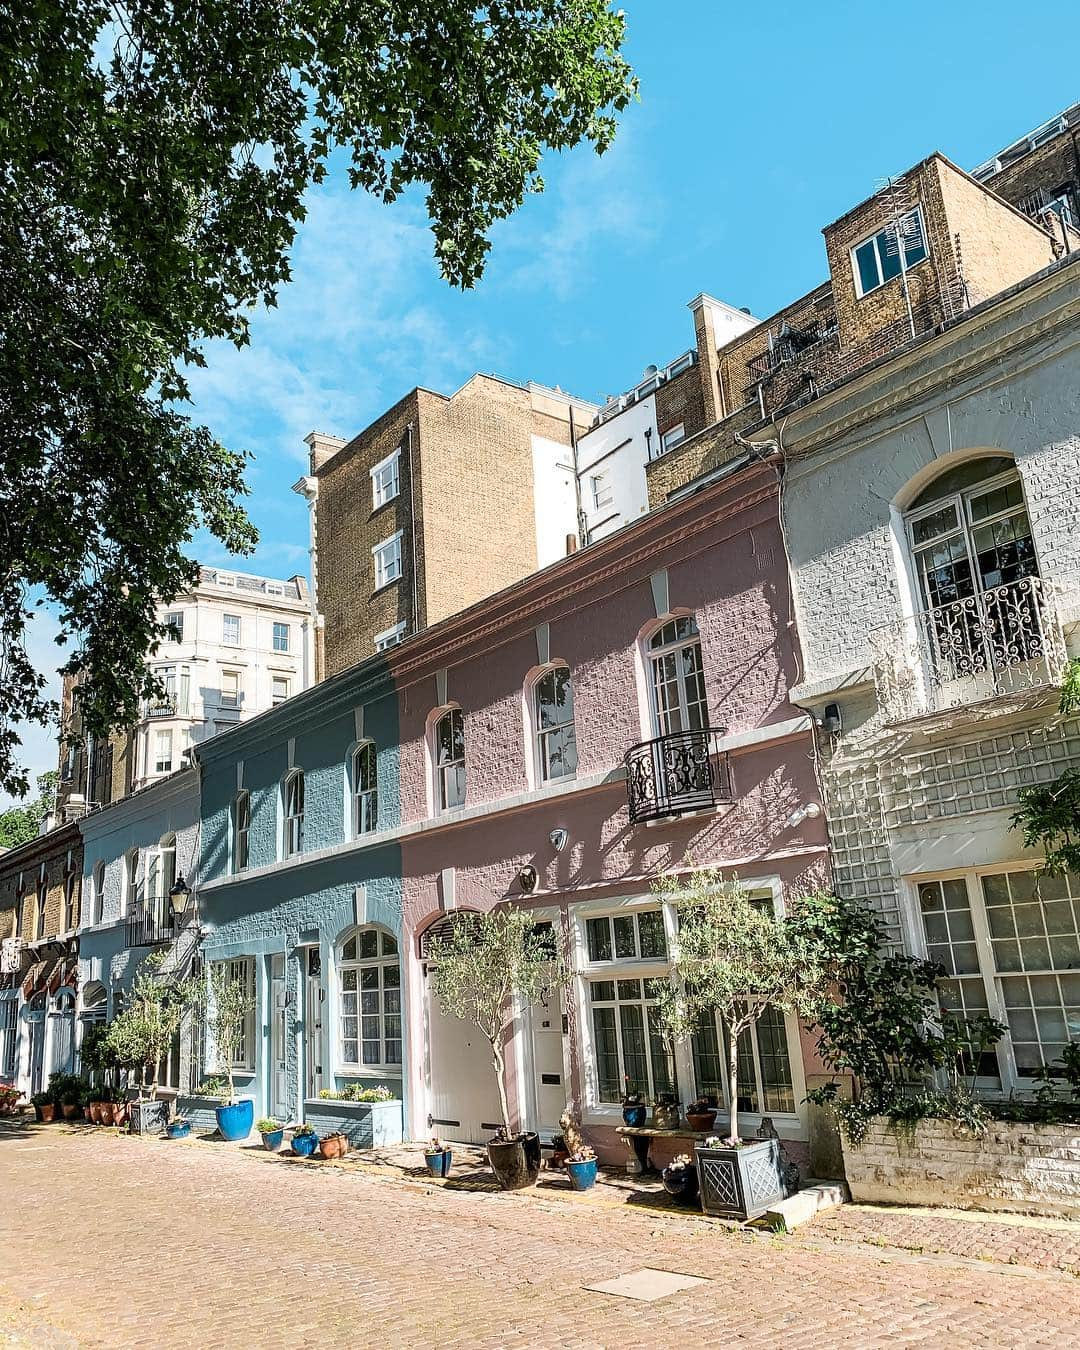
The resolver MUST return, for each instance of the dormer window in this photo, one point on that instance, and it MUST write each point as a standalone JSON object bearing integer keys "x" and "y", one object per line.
{"x": 877, "y": 259}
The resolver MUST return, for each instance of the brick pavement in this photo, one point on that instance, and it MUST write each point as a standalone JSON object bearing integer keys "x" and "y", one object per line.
{"x": 106, "y": 1239}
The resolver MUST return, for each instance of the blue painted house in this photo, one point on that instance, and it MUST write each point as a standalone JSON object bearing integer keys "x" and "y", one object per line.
{"x": 300, "y": 893}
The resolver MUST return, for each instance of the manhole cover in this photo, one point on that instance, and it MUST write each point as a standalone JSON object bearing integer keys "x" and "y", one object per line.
{"x": 646, "y": 1284}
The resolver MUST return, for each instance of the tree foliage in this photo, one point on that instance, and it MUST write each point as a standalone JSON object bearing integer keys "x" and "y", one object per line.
{"x": 20, "y": 824}
{"x": 141, "y": 1036}
{"x": 733, "y": 957}
{"x": 155, "y": 157}
{"x": 486, "y": 969}
{"x": 228, "y": 1008}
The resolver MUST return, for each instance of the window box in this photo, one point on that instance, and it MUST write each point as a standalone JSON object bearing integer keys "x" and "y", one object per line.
{"x": 1012, "y": 1166}
{"x": 366, "y": 1124}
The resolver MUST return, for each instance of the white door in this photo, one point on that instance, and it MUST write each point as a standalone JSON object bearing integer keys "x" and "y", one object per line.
{"x": 463, "y": 1095}
{"x": 36, "y": 1019}
{"x": 313, "y": 1015}
{"x": 550, "y": 1087}
{"x": 278, "y": 1012}
{"x": 62, "y": 1018}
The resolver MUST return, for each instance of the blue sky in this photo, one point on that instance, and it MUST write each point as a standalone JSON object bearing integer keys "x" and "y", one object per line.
{"x": 756, "y": 127}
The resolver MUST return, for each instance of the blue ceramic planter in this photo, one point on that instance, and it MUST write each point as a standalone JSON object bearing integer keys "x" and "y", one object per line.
{"x": 234, "y": 1122}
{"x": 634, "y": 1116}
{"x": 582, "y": 1174}
{"x": 304, "y": 1145}
{"x": 271, "y": 1141}
{"x": 438, "y": 1164}
{"x": 179, "y": 1129}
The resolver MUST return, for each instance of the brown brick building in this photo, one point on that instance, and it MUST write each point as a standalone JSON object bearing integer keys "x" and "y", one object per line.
{"x": 964, "y": 238}
{"x": 40, "y": 891}
{"x": 440, "y": 502}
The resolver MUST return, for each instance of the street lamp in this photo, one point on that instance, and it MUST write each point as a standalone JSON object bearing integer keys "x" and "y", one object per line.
{"x": 179, "y": 897}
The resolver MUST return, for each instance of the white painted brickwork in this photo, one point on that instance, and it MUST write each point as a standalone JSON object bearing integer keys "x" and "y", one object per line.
{"x": 1033, "y": 1169}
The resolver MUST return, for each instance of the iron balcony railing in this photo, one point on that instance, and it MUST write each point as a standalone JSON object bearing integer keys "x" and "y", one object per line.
{"x": 674, "y": 774}
{"x": 151, "y": 927}
{"x": 1000, "y": 642}
{"x": 172, "y": 705}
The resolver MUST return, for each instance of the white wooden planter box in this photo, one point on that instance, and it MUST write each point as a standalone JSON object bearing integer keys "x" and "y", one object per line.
{"x": 1033, "y": 1169}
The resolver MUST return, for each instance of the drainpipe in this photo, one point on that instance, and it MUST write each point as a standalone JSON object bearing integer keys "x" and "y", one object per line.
{"x": 579, "y": 512}
{"x": 412, "y": 532}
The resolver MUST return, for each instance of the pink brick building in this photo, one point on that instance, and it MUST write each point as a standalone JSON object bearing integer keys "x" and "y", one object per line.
{"x": 675, "y": 636}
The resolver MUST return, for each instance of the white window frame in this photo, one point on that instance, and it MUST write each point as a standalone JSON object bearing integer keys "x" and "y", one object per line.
{"x": 386, "y": 479}
{"x": 440, "y": 769}
{"x": 541, "y": 735}
{"x": 387, "y": 561}
{"x": 159, "y": 875}
{"x": 653, "y": 658}
{"x": 673, "y": 436}
{"x": 70, "y": 875}
{"x": 229, "y": 698}
{"x": 277, "y": 696}
{"x": 228, "y": 621}
{"x": 292, "y": 820}
{"x": 131, "y": 885}
{"x": 603, "y": 491}
{"x": 175, "y": 620}
{"x": 242, "y": 968}
{"x": 97, "y": 885}
{"x": 877, "y": 237}
{"x": 363, "y": 802}
{"x": 239, "y": 853}
{"x": 380, "y": 962}
{"x": 1010, "y": 1079}
{"x": 161, "y": 735}
{"x": 788, "y": 1125}
{"x": 390, "y": 637}
{"x": 41, "y": 903}
{"x": 280, "y": 636}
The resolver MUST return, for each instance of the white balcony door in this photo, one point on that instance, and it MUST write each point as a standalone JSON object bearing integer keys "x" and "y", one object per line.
{"x": 313, "y": 1024}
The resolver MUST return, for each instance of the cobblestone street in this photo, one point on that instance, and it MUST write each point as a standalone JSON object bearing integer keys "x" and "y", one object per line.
{"x": 106, "y": 1240}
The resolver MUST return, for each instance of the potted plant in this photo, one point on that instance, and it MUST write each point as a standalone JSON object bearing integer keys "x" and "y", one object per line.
{"x": 304, "y": 1141}
{"x": 230, "y": 1006}
{"x": 272, "y": 1132}
{"x": 634, "y": 1110}
{"x": 666, "y": 1111}
{"x": 9, "y": 1099}
{"x": 581, "y": 1168}
{"x": 115, "y": 1112}
{"x": 142, "y": 1035}
{"x": 44, "y": 1106}
{"x": 71, "y": 1103}
{"x": 489, "y": 964}
{"x": 99, "y": 1061}
{"x": 701, "y": 1115}
{"x": 681, "y": 1179}
{"x": 559, "y": 1153}
{"x": 733, "y": 961}
{"x": 334, "y": 1145}
{"x": 438, "y": 1157}
{"x": 178, "y": 1128}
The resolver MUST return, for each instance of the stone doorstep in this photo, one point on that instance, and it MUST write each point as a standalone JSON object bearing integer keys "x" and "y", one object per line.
{"x": 801, "y": 1207}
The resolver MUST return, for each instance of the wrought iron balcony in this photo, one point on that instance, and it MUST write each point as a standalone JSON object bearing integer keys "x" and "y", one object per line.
{"x": 170, "y": 706}
{"x": 672, "y": 775}
{"x": 151, "y": 927}
{"x": 1002, "y": 642}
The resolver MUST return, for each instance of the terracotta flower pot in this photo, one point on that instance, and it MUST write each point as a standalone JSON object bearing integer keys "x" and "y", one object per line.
{"x": 48, "y": 1111}
{"x": 334, "y": 1145}
{"x": 71, "y": 1110}
{"x": 702, "y": 1121}
{"x": 119, "y": 1113}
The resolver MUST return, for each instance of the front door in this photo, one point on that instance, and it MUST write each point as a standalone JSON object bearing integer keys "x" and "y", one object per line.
{"x": 35, "y": 1018}
{"x": 463, "y": 1094}
{"x": 278, "y": 1013}
{"x": 62, "y": 1018}
{"x": 547, "y": 1045}
{"x": 313, "y": 1015}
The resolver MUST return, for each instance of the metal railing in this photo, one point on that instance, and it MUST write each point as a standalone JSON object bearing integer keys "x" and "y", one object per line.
{"x": 787, "y": 348}
{"x": 170, "y": 706}
{"x": 674, "y": 774}
{"x": 151, "y": 927}
{"x": 999, "y": 642}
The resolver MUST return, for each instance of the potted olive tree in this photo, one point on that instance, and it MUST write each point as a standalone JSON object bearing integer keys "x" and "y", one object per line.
{"x": 142, "y": 1035}
{"x": 735, "y": 959}
{"x": 229, "y": 1007}
{"x": 488, "y": 968}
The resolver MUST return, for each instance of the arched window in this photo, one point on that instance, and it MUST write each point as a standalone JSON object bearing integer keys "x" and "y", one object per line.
{"x": 69, "y": 893}
{"x": 553, "y": 726}
{"x": 369, "y": 974}
{"x": 976, "y": 573}
{"x": 363, "y": 789}
{"x": 160, "y": 878}
{"x": 131, "y": 881}
{"x": 241, "y": 826}
{"x": 676, "y": 677}
{"x": 292, "y": 801}
{"x": 98, "y": 888}
{"x": 449, "y": 756}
